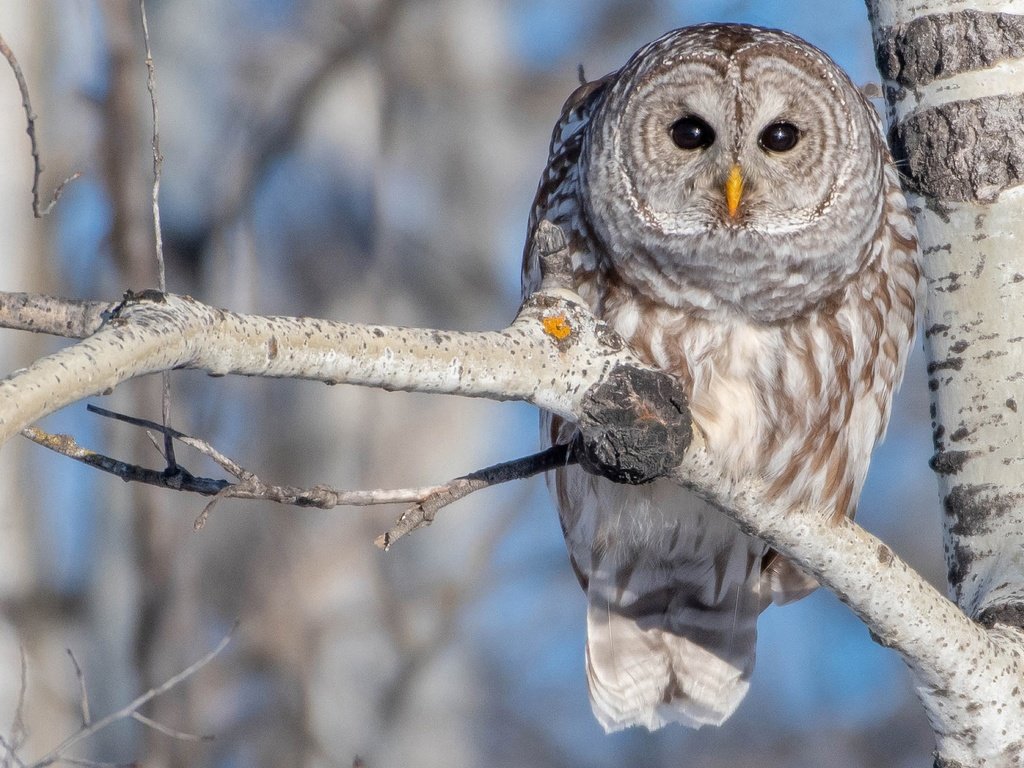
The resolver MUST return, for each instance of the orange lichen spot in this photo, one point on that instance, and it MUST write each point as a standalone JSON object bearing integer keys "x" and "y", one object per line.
{"x": 557, "y": 326}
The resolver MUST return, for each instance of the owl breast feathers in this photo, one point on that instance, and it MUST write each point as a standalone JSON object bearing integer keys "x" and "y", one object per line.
{"x": 732, "y": 211}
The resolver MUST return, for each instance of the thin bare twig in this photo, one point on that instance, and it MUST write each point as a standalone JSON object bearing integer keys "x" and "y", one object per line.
{"x": 251, "y": 487}
{"x": 426, "y": 500}
{"x": 180, "y": 481}
{"x": 19, "y": 733}
{"x": 158, "y": 164}
{"x": 422, "y": 513}
{"x": 129, "y": 710}
{"x": 31, "y": 118}
{"x": 86, "y": 716}
{"x": 173, "y": 733}
{"x": 158, "y": 158}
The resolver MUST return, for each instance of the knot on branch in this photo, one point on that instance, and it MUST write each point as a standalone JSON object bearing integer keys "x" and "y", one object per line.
{"x": 635, "y": 426}
{"x": 1011, "y": 614}
{"x": 131, "y": 298}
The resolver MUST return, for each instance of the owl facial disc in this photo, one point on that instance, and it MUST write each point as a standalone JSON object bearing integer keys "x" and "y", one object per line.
{"x": 733, "y": 167}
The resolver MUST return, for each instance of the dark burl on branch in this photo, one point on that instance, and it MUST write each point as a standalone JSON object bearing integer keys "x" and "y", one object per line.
{"x": 635, "y": 425}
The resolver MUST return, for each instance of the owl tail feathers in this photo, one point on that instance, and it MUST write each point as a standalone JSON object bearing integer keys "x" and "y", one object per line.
{"x": 651, "y": 677}
{"x": 674, "y": 651}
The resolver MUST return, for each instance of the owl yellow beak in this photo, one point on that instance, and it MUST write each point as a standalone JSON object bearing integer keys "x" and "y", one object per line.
{"x": 734, "y": 190}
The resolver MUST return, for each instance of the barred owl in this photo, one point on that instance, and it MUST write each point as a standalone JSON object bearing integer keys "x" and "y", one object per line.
{"x": 732, "y": 211}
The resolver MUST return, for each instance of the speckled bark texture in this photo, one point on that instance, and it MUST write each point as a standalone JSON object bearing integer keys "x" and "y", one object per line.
{"x": 148, "y": 334}
{"x": 954, "y": 82}
{"x": 974, "y": 335}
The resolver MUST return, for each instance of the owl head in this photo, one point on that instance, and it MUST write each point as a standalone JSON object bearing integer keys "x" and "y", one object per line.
{"x": 733, "y": 168}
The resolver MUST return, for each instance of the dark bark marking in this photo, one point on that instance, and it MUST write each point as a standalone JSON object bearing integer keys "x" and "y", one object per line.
{"x": 963, "y": 151}
{"x": 966, "y": 505}
{"x": 948, "y": 462}
{"x": 1010, "y": 613}
{"x": 885, "y": 555}
{"x": 945, "y": 44}
{"x": 949, "y": 364}
{"x": 953, "y": 284}
{"x": 960, "y": 434}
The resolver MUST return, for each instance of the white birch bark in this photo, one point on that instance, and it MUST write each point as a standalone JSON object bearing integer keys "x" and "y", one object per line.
{"x": 953, "y": 73}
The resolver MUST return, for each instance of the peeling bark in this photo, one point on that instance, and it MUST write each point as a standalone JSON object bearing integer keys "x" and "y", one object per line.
{"x": 963, "y": 151}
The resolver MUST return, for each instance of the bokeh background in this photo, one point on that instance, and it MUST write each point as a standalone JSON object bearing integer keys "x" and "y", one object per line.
{"x": 363, "y": 160}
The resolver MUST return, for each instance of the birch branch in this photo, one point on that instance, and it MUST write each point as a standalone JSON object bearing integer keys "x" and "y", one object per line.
{"x": 70, "y": 318}
{"x": 147, "y": 335}
{"x": 557, "y": 356}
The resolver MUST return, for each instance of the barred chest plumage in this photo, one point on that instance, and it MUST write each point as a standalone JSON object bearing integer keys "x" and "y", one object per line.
{"x": 800, "y": 403}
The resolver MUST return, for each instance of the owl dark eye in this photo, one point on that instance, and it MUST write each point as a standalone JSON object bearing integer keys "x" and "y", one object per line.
{"x": 779, "y": 137}
{"x": 691, "y": 132}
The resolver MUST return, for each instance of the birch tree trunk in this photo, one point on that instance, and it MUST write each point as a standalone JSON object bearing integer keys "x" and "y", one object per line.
{"x": 954, "y": 84}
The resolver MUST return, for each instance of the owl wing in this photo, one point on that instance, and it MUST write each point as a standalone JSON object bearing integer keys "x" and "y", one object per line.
{"x": 556, "y": 198}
